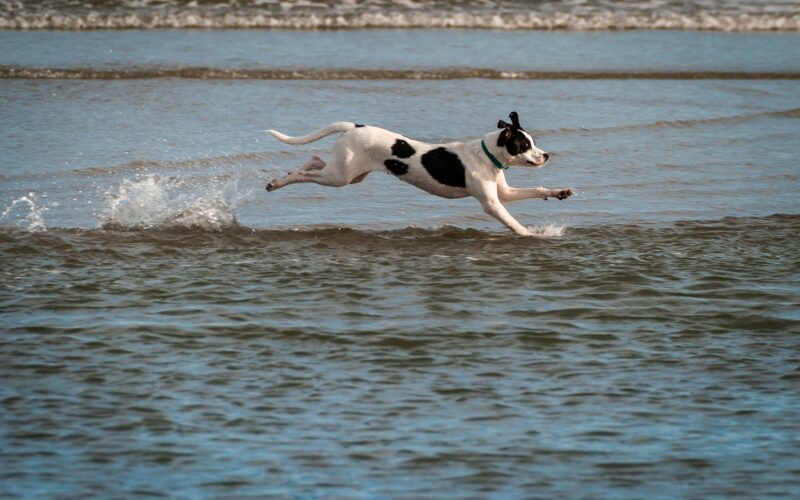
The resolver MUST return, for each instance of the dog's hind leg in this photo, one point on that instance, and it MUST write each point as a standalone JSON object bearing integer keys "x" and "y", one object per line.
{"x": 332, "y": 175}
{"x": 344, "y": 168}
{"x": 315, "y": 163}
{"x": 340, "y": 171}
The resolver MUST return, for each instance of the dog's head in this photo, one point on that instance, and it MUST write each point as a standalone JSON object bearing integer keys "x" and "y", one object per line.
{"x": 515, "y": 146}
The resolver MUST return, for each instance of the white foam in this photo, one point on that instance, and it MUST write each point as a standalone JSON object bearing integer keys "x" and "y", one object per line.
{"x": 30, "y": 218}
{"x": 522, "y": 21}
{"x": 156, "y": 201}
{"x": 548, "y": 231}
{"x": 717, "y": 15}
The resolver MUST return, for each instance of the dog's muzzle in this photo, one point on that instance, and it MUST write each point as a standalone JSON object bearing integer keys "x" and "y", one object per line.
{"x": 539, "y": 164}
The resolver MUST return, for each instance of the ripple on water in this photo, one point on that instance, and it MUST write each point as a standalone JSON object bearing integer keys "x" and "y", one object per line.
{"x": 624, "y": 357}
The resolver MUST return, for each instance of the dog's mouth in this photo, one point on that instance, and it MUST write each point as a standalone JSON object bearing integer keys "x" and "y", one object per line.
{"x": 533, "y": 163}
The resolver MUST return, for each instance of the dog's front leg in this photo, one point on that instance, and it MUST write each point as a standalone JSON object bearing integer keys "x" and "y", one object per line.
{"x": 516, "y": 194}
{"x": 492, "y": 206}
{"x": 509, "y": 194}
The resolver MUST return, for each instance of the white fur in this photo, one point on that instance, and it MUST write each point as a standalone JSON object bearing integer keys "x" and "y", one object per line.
{"x": 361, "y": 150}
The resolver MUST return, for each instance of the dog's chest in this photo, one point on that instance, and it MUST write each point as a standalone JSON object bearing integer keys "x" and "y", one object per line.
{"x": 419, "y": 177}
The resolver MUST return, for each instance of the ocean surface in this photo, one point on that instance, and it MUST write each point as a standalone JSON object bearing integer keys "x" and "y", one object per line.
{"x": 716, "y": 15}
{"x": 168, "y": 328}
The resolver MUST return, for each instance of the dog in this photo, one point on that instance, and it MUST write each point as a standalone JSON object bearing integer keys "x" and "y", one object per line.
{"x": 453, "y": 170}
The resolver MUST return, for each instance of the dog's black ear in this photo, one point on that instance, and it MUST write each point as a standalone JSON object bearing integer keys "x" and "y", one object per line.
{"x": 505, "y": 135}
{"x": 502, "y": 124}
{"x": 515, "y": 119}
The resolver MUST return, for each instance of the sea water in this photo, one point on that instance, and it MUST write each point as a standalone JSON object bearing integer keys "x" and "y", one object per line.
{"x": 169, "y": 328}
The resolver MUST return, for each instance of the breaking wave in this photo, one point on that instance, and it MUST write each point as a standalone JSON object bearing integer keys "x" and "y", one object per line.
{"x": 44, "y": 73}
{"x": 718, "y": 15}
{"x": 774, "y": 227}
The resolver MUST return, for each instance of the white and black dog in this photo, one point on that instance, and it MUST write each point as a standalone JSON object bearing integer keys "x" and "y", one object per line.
{"x": 453, "y": 170}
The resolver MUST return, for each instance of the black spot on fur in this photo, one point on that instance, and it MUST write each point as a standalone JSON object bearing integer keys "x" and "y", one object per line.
{"x": 402, "y": 149}
{"x": 514, "y": 141}
{"x": 512, "y": 137}
{"x": 445, "y": 167}
{"x": 396, "y": 167}
{"x": 358, "y": 125}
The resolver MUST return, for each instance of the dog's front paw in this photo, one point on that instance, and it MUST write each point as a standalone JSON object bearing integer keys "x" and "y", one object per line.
{"x": 561, "y": 194}
{"x": 273, "y": 185}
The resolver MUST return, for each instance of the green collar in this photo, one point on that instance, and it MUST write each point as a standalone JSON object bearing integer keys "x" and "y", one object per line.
{"x": 492, "y": 158}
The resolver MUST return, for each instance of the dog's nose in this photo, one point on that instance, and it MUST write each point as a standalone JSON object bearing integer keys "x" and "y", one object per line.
{"x": 546, "y": 156}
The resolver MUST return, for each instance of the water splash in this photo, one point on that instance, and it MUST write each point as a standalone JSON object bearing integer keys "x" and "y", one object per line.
{"x": 156, "y": 201}
{"x": 33, "y": 219}
{"x": 548, "y": 231}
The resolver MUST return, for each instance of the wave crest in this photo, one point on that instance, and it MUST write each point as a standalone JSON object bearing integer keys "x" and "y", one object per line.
{"x": 721, "y": 15}
{"x": 136, "y": 73}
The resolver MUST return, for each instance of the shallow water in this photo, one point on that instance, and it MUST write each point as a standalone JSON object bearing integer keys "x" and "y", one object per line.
{"x": 637, "y": 361}
{"x": 171, "y": 329}
{"x": 634, "y": 150}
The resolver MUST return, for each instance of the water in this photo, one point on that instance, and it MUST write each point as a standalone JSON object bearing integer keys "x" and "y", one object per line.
{"x": 620, "y": 359}
{"x": 169, "y": 328}
{"x": 717, "y": 15}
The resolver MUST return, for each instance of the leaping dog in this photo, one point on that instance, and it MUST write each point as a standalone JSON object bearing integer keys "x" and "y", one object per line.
{"x": 452, "y": 170}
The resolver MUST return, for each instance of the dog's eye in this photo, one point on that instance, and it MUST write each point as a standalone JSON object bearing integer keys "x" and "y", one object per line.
{"x": 521, "y": 145}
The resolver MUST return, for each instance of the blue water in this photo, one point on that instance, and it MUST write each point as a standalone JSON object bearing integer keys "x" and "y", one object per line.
{"x": 405, "y": 49}
{"x": 169, "y": 328}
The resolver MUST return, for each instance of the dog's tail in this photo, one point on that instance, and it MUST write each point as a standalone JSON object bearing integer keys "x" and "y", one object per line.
{"x": 333, "y": 128}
